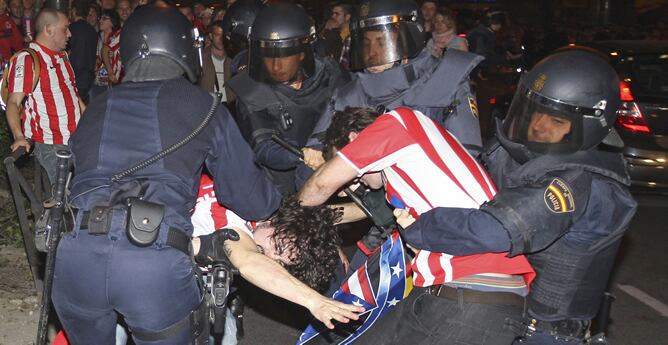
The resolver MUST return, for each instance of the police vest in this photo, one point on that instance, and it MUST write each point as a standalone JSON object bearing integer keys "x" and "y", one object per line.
{"x": 439, "y": 88}
{"x": 280, "y": 109}
{"x": 550, "y": 193}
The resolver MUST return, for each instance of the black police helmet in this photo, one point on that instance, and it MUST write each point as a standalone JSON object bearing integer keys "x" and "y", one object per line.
{"x": 567, "y": 103}
{"x": 237, "y": 23}
{"x": 398, "y": 20}
{"x": 281, "y": 30}
{"x": 161, "y": 31}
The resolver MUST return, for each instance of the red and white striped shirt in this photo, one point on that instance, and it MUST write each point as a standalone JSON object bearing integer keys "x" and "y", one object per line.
{"x": 51, "y": 112}
{"x": 209, "y": 215}
{"x": 114, "y": 45}
{"x": 424, "y": 167}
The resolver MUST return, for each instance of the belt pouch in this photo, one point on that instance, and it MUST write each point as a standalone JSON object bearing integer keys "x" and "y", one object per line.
{"x": 143, "y": 221}
{"x": 99, "y": 220}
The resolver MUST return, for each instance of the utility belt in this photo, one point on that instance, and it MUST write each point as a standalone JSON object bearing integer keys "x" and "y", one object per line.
{"x": 473, "y": 296}
{"x": 142, "y": 224}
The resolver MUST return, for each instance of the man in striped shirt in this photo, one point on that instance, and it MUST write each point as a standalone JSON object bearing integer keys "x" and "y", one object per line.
{"x": 49, "y": 113}
{"x": 421, "y": 165}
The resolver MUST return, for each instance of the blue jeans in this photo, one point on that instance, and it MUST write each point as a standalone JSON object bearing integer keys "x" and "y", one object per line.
{"x": 99, "y": 275}
{"x": 423, "y": 319}
{"x": 46, "y": 156}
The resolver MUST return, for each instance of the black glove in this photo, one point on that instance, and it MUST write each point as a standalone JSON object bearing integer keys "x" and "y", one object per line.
{"x": 211, "y": 248}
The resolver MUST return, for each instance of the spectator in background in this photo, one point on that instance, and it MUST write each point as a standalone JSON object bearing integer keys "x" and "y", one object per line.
{"x": 16, "y": 11}
{"x": 124, "y": 9}
{"x": 111, "y": 53}
{"x": 444, "y": 34}
{"x": 206, "y": 17}
{"x": 219, "y": 14}
{"x": 27, "y": 20}
{"x": 335, "y": 37}
{"x": 198, "y": 8}
{"x": 35, "y": 114}
{"x": 93, "y": 16}
{"x": 11, "y": 40}
{"x": 109, "y": 23}
{"x": 188, "y": 12}
{"x": 108, "y": 4}
{"x": 482, "y": 39}
{"x": 82, "y": 49}
{"x": 216, "y": 70}
{"x": 428, "y": 10}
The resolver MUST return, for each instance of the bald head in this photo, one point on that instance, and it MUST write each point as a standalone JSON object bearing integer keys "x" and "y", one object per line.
{"x": 52, "y": 29}
{"x": 47, "y": 16}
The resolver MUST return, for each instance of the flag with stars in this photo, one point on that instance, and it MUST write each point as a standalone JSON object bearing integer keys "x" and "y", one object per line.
{"x": 378, "y": 286}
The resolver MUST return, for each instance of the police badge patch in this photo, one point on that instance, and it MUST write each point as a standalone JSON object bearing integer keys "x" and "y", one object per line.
{"x": 558, "y": 197}
{"x": 474, "y": 106}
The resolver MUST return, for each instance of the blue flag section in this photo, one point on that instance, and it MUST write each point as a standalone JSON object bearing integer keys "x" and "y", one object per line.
{"x": 378, "y": 286}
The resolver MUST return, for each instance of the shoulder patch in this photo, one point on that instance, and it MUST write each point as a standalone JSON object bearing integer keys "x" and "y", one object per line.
{"x": 474, "y": 106}
{"x": 558, "y": 197}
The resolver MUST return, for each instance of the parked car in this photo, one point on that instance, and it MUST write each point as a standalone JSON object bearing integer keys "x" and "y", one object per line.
{"x": 642, "y": 120}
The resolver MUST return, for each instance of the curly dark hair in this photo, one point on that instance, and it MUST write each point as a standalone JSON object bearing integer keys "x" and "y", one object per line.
{"x": 311, "y": 233}
{"x": 351, "y": 119}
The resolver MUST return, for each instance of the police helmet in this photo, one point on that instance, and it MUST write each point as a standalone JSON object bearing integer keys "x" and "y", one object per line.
{"x": 161, "y": 31}
{"x": 566, "y": 103}
{"x": 281, "y": 44}
{"x": 384, "y": 32}
{"x": 237, "y": 23}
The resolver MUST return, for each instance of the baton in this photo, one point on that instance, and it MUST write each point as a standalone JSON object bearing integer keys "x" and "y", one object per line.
{"x": 53, "y": 237}
{"x": 354, "y": 197}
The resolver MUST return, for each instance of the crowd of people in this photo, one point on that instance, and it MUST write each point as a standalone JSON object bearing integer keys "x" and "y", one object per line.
{"x": 513, "y": 238}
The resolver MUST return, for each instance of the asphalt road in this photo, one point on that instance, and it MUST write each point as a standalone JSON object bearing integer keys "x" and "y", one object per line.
{"x": 639, "y": 281}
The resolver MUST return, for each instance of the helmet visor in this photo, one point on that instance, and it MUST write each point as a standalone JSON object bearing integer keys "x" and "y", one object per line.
{"x": 280, "y": 62}
{"x": 542, "y": 124}
{"x": 381, "y": 44}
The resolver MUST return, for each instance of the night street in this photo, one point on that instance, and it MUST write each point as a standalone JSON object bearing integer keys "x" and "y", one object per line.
{"x": 639, "y": 315}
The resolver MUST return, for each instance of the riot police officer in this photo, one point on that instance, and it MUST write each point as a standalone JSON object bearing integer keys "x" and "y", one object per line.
{"x": 128, "y": 251}
{"x": 562, "y": 200}
{"x": 387, "y": 49}
{"x": 285, "y": 90}
{"x": 236, "y": 26}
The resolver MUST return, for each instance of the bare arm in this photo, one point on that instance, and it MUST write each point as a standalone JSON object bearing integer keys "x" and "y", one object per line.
{"x": 14, "y": 120}
{"x": 270, "y": 276}
{"x": 326, "y": 181}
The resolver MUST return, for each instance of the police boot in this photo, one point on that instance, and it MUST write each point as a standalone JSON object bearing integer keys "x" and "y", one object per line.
{"x": 236, "y": 306}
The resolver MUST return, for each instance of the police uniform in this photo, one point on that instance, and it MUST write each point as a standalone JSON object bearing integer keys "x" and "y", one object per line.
{"x": 266, "y": 107}
{"x": 101, "y": 268}
{"x": 566, "y": 205}
{"x": 439, "y": 88}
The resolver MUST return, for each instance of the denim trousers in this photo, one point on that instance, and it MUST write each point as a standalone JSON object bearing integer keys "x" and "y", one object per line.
{"x": 98, "y": 276}
{"x": 46, "y": 156}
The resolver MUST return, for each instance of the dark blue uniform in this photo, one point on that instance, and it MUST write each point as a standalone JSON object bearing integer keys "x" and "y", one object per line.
{"x": 566, "y": 212}
{"x": 263, "y": 109}
{"x": 151, "y": 287}
{"x": 439, "y": 88}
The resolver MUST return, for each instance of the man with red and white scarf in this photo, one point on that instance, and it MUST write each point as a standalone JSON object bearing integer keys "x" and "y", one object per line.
{"x": 422, "y": 166}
